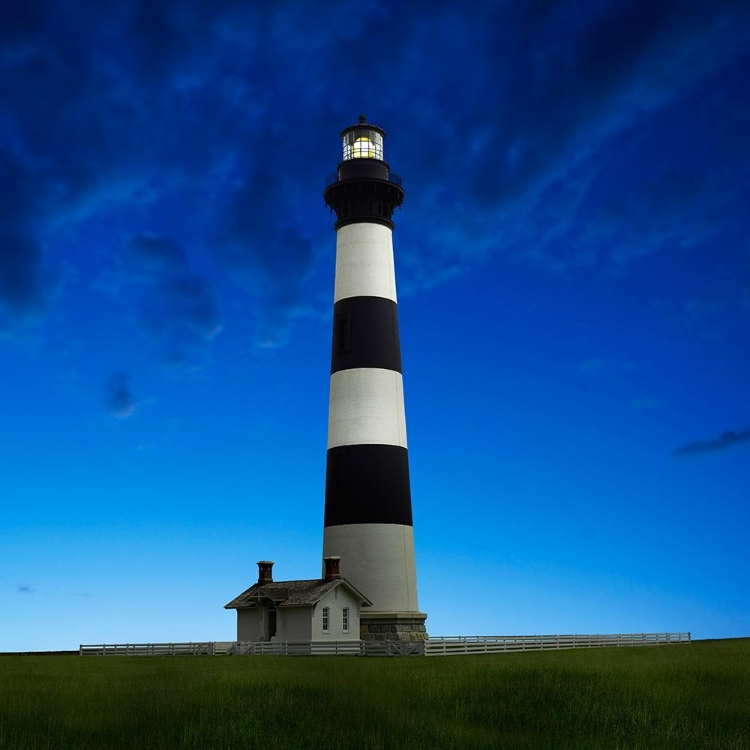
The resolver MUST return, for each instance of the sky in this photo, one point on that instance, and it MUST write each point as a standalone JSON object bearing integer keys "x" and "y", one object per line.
{"x": 573, "y": 268}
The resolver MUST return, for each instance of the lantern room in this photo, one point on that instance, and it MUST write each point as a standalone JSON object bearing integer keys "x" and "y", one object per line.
{"x": 363, "y": 141}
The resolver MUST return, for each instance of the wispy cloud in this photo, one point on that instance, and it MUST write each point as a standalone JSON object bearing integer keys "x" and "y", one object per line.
{"x": 25, "y": 589}
{"x": 726, "y": 440}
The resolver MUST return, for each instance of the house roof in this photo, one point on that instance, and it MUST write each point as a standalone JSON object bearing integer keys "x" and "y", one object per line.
{"x": 292, "y": 593}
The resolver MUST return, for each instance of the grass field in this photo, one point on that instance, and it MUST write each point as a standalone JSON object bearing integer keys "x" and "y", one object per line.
{"x": 682, "y": 697}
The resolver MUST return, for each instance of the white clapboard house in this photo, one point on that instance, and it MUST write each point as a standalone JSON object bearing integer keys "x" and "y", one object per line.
{"x": 319, "y": 609}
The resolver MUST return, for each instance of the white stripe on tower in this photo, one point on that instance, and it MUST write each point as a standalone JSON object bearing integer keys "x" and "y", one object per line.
{"x": 368, "y": 520}
{"x": 366, "y": 406}
{"x": 364, "y": 262}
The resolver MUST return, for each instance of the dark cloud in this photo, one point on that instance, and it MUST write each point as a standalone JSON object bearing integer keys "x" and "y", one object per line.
{"x": 161, "y": 114}
{"x": 514, "y": 126}
{"x": 20, "y": 260}
{"x": 727, "y": 440}
{"x": 182, "y": 315}
{"x": 118, "y": 399}
{"x": 25, "y": 589}
{"x": 21, "y": 278}
{"x": 149, "y": 253}
{"x": 271, "y": 265}
{"x": 547, "y": 126}
{"x": 176, "y": 306}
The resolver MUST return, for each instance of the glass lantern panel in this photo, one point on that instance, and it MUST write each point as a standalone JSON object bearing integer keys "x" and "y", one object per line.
{"x": 363, "y": 143}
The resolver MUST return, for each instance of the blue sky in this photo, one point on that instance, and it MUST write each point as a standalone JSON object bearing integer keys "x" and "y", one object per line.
{"x": 573, "y": 267}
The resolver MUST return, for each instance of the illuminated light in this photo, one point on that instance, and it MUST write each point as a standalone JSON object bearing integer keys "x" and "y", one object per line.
{"x": 363, "y": 148}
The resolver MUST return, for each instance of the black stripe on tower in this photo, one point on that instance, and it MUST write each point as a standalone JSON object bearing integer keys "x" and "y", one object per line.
{"x": 368, "y": 484}
{"x": 365, "y": 334}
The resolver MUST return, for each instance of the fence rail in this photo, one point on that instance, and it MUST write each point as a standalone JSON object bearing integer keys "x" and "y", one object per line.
{"x": 445, "y": 646}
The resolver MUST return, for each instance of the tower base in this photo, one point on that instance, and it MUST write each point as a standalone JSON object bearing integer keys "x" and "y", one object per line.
{"x": 392, "y": 626}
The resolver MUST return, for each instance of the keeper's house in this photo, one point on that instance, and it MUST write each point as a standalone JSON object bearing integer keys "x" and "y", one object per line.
{"x": 321, "y": 609}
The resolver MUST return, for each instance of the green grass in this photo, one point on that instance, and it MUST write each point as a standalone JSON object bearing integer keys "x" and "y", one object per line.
{"x": 682, "y": 697}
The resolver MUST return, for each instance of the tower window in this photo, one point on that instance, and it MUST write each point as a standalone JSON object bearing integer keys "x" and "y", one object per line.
{"x": 326, "y": 617}
{"x": 338, "y": 469}
{"x": 343, "y": 333}
{"x": 345, "y": 619}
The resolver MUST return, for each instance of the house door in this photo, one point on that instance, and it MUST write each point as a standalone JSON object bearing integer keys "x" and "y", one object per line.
{"x": 271, "y": 624}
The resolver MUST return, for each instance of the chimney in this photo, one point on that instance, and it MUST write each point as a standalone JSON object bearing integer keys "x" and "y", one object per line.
{"x": 265, "y": 574}
{"x": 332, "y": 568}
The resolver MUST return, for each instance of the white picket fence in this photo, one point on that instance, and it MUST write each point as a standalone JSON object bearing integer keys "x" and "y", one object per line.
{"x": 446, "y": 646}
{"x": 296, "y": 648}
{"x": 494, "y": 644}
{"x": 223, "y": 648}
{"x": 207, "y": 648}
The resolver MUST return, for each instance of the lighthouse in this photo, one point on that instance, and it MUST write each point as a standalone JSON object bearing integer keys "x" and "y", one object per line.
{"x": 368, "y": 515}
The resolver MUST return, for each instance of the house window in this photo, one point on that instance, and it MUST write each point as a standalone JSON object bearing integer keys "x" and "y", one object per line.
{"x": 345, "y": 619}
{"x": 326, "y": 613}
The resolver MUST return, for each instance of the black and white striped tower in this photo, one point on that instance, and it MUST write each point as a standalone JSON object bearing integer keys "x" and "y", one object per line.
{"x": 368, "y": 519}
